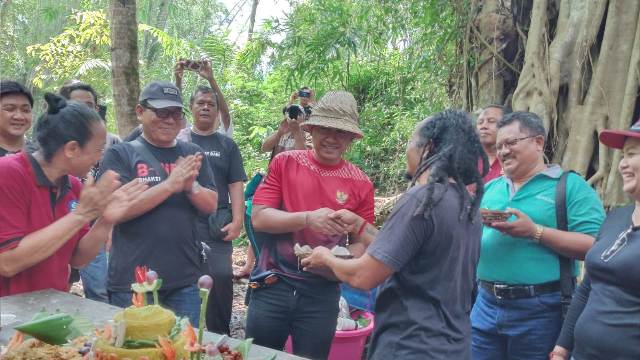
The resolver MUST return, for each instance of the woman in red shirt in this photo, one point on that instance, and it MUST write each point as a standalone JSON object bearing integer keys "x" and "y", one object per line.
{"x": 45, "y": 212}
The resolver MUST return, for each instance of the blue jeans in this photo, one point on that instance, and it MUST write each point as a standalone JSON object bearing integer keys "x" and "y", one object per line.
{"x": 280, "y": 310}
{"x": 183, "y": 301}
{"x": 94, "y": 278}
{"x": 520, "y": 329}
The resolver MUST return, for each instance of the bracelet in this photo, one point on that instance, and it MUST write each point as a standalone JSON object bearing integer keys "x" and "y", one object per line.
{"x": 361, "y": 230}
{"x": 537, "y": 235}
{"x": 306, "y": 219}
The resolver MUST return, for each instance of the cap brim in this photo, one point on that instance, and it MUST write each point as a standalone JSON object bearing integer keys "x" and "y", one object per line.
{"x": 616, "y": 138}
{"x": 318, "y": 120}
{"x": 162, "y": 103}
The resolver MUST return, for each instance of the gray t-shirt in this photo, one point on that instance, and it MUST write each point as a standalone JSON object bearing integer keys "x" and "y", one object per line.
{"x": 422, "y": 310}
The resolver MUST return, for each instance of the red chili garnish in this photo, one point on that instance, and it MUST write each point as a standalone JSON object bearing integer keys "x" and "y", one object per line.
{"x": 141, "y": 273}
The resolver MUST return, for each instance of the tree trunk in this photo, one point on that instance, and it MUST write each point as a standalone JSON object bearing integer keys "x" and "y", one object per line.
{"x": 579, "y": 70}
{"x": 124, "y": 63}
{"x": 252, "y": 19}
{"x": 160, "y": 23}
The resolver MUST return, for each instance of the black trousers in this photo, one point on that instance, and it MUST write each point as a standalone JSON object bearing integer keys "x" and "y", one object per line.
{"x": 221, "y": 297}
{"x": 280, "y": 310}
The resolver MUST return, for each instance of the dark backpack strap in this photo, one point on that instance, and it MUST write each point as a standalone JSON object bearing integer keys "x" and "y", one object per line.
{"x": 567, "y": 282}
{"x": 147, "y": 156}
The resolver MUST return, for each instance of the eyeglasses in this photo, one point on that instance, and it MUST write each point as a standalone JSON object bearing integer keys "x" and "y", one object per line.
{"x": 166, "y": 113}
{"x": 617, "y": 245}
{"x": 511, "y": 143}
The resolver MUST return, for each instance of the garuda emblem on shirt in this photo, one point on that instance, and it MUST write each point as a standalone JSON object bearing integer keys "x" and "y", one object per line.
{"x": 341, "y": 197}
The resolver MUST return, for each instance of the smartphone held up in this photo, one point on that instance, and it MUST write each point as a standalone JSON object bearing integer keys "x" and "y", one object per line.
{"x": 193, "y": 65}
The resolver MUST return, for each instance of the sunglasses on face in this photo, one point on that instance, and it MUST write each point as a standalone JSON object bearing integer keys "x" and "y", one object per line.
{"x": 177, "y": 115}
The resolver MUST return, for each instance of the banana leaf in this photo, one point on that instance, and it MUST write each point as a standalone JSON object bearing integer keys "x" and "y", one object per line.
{"x": 52, "y": 329}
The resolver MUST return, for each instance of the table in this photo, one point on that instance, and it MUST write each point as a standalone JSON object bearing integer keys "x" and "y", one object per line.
{"x": 24, "y": 306}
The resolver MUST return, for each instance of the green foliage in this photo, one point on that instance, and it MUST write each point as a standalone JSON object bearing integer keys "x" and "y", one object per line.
{"x": 398, "y": 58}
{"x": 80, "y": 48}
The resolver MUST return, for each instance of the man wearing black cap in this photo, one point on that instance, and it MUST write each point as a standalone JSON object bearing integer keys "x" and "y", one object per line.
{"x": 158, "y": 230}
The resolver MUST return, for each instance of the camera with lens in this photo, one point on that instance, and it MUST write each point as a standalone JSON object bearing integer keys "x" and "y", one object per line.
{"x": 193, "y": 65}
{"x": 304, "y": 93}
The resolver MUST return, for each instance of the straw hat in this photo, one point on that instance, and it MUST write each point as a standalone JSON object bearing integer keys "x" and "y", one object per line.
{"x": 336, "y": 110}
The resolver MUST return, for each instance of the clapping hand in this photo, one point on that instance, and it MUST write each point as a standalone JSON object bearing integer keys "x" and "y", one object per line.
{"x": 195, "y": 165}
{"x": 121, "y": 200}
{"x": 95, "y": 196}
{"x": 184, "y": 173}
{"x": 107, "y": 198}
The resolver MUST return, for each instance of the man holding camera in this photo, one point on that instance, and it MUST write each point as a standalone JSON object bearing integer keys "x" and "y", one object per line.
{"x": 219, "y": 229}
{"x": 289, "y": 135}
{"x": 220, "y": 116}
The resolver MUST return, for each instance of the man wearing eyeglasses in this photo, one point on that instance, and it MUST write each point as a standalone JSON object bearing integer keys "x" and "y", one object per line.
{"x": 158, "y": 231}
{"x": 518, "y": 312}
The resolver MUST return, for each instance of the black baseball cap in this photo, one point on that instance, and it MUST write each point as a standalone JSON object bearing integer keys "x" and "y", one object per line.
{"x": 161, "y": 94}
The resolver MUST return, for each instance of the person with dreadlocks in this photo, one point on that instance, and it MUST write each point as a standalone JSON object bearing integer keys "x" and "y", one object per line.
{"x": 427, "y": 251}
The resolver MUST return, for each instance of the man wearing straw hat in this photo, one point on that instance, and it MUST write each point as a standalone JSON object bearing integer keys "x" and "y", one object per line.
{"x": 295, "y": 204}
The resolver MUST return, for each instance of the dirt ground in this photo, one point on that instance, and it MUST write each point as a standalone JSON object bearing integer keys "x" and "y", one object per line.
{"x": 239, "y": 312}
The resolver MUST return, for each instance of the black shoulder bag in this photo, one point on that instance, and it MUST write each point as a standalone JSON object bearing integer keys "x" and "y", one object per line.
{"x": 567, "y": 281}
{"x": 141, "y": 149}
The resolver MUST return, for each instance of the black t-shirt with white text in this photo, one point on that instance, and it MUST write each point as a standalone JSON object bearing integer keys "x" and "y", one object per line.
{"x": 225, "y": 159}
{"x": 422, "y": 310}
{"x": 164, "y": 238}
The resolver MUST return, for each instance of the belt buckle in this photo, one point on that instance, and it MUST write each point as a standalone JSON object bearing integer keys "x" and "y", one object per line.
{"x": 271, "y": 279}
{"x": 497, "y": 287}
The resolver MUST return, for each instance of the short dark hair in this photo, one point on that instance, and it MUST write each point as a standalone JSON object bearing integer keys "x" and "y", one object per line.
{"x": 201, "y": 89}
{"x": 73, "y": 85}
{"x": 528, "y": 121}
{"x": 10, "y": 87}
{"x": 505, "y": 109}
{"x": 63, "y": 122}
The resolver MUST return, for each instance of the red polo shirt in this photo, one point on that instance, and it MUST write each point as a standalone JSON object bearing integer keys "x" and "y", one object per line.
{"x": 495, "y": 170}
{"x": 29, "y": 202}
{"x": 298, "y": 182}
